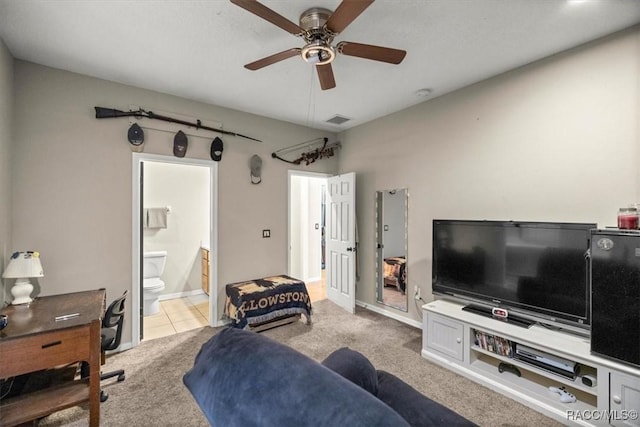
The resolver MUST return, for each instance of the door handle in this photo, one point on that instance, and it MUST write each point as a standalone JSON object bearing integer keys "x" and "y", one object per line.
{"x": 351, "y": 249}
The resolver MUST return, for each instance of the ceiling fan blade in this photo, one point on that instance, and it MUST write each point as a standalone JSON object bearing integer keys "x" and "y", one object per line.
{"x": 325, "y": 75}
{"x": 346, "y": 13}
{"x": 376, "y": 53}
{"x": 272, "y": 59}
{"x": 269, "y": 15}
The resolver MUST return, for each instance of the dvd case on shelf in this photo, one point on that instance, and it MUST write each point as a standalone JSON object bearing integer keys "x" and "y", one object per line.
{"x": 494, "y": 344}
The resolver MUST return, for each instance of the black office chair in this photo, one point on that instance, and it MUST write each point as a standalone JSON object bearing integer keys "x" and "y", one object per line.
{"x": 111, "y": 334}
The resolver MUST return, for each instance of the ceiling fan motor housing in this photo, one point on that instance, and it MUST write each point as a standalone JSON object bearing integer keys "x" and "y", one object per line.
{"x": 313, "y": 20}
{"x": 318, "y": 49}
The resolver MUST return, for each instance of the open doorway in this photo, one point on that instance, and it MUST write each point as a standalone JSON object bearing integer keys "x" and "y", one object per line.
{"x": 307, "y": 231}
{"x": 174, "y": 245}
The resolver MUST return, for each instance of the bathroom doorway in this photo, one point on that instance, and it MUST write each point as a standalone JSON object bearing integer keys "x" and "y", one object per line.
{"x": 307, "y": 230}
{"x": 174, "y": 214}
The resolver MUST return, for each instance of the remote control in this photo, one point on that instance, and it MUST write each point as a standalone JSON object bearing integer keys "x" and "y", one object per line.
{"x": 565, "y": 396}
{"x": 502, "y": 367}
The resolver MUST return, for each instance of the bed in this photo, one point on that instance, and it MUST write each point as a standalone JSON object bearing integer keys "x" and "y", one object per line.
{"x": 267, "y": 302}
{"x": 395, "y": 272}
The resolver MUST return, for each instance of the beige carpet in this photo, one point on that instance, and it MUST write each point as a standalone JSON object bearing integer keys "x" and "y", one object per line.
{"x": 153, "y": 392}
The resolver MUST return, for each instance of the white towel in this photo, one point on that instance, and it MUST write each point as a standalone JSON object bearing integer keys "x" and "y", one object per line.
{"x": 156, "y": 218}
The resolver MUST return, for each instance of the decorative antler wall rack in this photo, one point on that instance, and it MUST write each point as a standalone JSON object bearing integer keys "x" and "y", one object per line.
{"x": 318, "y": 148}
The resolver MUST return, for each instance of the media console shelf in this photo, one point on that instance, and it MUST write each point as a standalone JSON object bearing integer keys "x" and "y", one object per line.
{"x": 450, "y": 339}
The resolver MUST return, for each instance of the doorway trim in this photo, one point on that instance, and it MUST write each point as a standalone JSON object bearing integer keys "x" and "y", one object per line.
{"x": 290, "y": 175}
{"x": 136, "y": 244}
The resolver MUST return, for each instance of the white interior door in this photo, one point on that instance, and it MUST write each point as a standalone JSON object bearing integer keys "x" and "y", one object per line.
{"x": 341, "y": 241}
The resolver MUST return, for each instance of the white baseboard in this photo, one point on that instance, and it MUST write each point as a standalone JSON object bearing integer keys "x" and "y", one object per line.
{"x": 399, "y": 318}
{"x": 180, "y": 294}
{"x": 123, "y": 347}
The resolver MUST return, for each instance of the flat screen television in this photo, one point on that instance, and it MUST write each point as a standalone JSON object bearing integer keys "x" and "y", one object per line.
{"x": 536, "y": 270}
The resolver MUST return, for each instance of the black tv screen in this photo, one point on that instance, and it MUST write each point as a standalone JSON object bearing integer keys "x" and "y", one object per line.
{"x": 539, "y": 269}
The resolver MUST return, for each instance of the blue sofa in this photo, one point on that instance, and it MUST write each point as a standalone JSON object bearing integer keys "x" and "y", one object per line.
{"x": 243, "y": 379}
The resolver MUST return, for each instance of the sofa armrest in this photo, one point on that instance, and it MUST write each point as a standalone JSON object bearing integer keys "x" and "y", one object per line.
{"x": 355, "y": 367}
{"x": 417, "y": 409}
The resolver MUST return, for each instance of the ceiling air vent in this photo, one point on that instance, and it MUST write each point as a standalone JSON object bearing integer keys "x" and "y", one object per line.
{"x": 338, "y": 120}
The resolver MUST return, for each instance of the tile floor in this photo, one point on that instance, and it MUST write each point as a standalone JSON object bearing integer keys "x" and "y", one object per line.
{"x": 183, "y": 314}
{"x": 177, "y": 315}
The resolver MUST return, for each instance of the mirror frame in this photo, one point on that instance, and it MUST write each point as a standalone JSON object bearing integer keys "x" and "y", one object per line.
{"x": 379, "y": 247}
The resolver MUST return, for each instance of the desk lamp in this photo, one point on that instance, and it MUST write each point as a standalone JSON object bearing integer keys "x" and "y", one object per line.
{"x": 22, "y": 266}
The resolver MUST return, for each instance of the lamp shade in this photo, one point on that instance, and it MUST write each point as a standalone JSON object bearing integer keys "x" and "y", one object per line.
{"x": 23, "y": 265}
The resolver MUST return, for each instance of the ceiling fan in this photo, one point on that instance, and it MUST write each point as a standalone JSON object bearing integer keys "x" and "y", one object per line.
{"x": 318, "y": 27}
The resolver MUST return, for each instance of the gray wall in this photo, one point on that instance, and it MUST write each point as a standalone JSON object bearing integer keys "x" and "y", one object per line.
{"x": 557, "y": 140}
{"x": 72, "y": 181}
{"x": 6, "y": 135}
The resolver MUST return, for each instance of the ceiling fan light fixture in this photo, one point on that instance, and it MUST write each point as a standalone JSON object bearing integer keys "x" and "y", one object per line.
{"x": 318, "y": 53}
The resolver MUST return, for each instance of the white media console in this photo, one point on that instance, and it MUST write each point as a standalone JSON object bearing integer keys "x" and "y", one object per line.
{"x": 450, "y": 340}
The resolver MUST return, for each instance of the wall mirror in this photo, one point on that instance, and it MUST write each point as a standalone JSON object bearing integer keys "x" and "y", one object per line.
{"x": 391, "y": 247}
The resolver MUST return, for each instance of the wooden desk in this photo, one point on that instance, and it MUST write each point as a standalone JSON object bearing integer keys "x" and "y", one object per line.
{"x": 33, "y": 340}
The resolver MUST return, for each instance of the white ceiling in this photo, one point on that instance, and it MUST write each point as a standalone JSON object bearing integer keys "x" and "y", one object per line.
{"x": 197, "y": 49}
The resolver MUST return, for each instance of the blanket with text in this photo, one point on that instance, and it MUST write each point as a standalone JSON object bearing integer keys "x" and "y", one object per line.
{"x": 261, "y": 300}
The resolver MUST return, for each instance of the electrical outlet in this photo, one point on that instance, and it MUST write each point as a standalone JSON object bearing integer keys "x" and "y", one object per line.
{"x": 416, "y": 294}
{"x": 266, "y": 234}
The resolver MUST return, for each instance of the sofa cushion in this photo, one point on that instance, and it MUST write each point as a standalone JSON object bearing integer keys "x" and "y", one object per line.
{"x": 417, "y": 409}
{"x": 355, "y": 367}
{"x": 241, "y": 378}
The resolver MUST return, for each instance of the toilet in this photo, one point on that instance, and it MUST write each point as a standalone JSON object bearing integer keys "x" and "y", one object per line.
{"x": 152, "y": 284}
